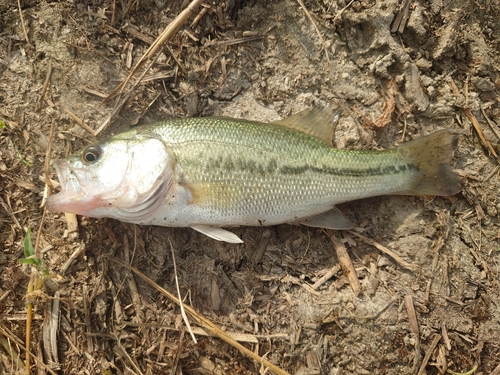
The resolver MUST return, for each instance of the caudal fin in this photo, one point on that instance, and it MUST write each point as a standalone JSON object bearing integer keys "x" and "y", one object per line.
{"x": 431, "y": 156}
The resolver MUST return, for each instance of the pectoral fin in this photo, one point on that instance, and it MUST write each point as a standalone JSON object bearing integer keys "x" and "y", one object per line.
{"x": 333, "y": 219}
{"x": 218, "y": 234}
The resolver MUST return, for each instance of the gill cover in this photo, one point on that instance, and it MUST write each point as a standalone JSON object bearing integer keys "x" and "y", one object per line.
{"x": 121, "y": 177}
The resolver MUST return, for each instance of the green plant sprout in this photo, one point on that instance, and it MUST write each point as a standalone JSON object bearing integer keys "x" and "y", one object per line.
{"x": 31, "y": 257}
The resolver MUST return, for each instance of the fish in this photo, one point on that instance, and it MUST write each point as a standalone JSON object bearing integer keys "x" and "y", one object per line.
{"x": 209, "y": 173}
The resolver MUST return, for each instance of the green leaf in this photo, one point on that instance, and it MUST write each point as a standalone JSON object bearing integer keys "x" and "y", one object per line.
{"x": 29, "y": 253}
{"x": 28, "y": 245}
{"x": 33, "y": 260}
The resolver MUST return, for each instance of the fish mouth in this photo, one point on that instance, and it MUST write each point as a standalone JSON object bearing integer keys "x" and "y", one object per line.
{"x": 71, "y": 198}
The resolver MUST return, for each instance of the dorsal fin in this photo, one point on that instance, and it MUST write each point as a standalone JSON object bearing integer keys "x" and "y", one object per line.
{"x": 316, "y": 122}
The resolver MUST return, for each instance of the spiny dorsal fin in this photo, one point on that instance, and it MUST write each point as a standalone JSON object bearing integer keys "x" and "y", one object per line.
{"x": 316, "y": 122}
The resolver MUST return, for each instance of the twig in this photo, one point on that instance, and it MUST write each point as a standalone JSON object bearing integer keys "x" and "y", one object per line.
{"x": 444, "y": 333}
{"x": 479, "y": 131}
{"x": 49, "y": 331}
{"x": 134, "y": 292}
{"x": 412, "y": 319}
{"x": 121, "y": 101}
{"x": 87, "y": 319}
{"x": 399, "y": 22}
{"x": 4, "y": 331}
{"x": 80, "y": 249}
{"x": 54, "y": 326}
{"x": 316, "y": 28}
{"x": 79, "y": 121}
{"x": 135, "y": 33}
{"x": 94, "y": 92}
{"x": 428, "y": 354}
{"x": 237, "y": 336}
{"x": 29, "y": 318}
{"x": 341, "y": 12}
{"x": 170, "y": 30}
{"x": 232, "y": 42}
{"x": 346, "y": 263}
{"x": 470, "y": 372}
{"x": 478, "y": 245}
{"x": 206, "y": 323}
{"x": 385, "y": 250}
{"x": 45, "y": 87}
{"x": 46, "y": 168}
{"x": 10, "y": 213}
{"x": 34, "y": 284}
{"x": 120, "y": 350}
{"x": 181, "y": 305}
{"x": 116, "y": 109}
{"x": 177, "y": 355}
{"x": 199, "y": 16}
{"x": 473, "y": 120}
{"x": 493, "y": 126}
{"x": 12, "y": 351}
{"x": 71, "y": 222}
{"x": 332, "y": 271}
{"x": 22, "y": 21}
{"x": 404, "y": 131}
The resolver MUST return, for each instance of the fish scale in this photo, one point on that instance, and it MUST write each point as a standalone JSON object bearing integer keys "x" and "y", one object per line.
{"x": 197, "y": 145}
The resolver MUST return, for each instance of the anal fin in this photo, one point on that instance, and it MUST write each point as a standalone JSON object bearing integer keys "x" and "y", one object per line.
{"x": 332, "y": 219}
{"x": 218, "y": 234}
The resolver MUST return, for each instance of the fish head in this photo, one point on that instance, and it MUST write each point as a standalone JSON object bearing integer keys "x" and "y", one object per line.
{"x": 124, "y": 177}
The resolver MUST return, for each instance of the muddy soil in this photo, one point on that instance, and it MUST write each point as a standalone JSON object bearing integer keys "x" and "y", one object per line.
{"x": 397, "y": 71}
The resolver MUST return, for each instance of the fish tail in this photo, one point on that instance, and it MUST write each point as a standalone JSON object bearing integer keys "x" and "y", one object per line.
{"x": 431, "y": 156}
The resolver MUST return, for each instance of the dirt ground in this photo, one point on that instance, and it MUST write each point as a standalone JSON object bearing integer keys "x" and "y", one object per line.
{"x": 394, "y": 81}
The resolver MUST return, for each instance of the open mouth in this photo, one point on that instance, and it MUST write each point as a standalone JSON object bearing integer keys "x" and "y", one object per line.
{"x": 69, "y": 199}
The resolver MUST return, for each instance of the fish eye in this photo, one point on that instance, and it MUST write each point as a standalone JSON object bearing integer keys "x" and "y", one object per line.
{"x": 91, "y": 154}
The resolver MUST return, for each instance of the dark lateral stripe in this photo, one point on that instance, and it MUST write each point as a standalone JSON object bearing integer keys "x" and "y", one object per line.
{"x": 237, "y": 164}
{"x": 355, "y": 172}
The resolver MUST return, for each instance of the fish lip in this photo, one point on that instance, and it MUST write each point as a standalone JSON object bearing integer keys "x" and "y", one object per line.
{"x": 71, "y": 192}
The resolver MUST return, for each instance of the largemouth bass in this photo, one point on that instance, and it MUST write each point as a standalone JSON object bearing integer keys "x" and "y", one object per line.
{"x": 208, "y": 173}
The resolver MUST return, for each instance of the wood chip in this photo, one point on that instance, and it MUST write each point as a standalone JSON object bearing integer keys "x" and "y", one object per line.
{"x": 412, "y": 319}
{"x": 71, "y": 221}
{"x": 402, "y": 17}
{"x": 346, "y": 263}
{"x": 331, "y": 272}
{"x": 27, "y": 185}
{"x": 46, "y": 85}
